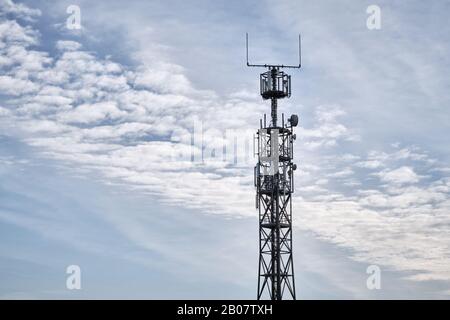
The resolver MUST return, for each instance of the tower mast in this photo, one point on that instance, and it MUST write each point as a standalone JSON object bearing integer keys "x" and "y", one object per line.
{"x": 274, "y": 182}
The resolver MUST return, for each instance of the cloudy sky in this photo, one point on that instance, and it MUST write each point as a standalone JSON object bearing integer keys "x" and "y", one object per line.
{"x": 101, "y": 164}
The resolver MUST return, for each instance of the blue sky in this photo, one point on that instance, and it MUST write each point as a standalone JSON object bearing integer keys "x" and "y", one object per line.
{"x": 90, "y": 121}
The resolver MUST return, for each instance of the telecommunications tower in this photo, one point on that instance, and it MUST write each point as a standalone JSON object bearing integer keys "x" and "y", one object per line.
{"x": 274, "y": 182}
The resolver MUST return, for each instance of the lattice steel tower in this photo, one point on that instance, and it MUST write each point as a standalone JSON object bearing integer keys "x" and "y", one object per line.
{"x": 274, "y": 182}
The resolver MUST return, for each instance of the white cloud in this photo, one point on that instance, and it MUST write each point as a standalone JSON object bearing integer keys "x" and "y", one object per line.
{"x": 18, "y": 9}
{"x": 165, "y": 79}
{"x": 16, "y": 87}
{"x": 328, "y": 130}
{"x": 402, "y": 175}
{"x": 370, "y": 164}
{"x": 67, "y": 45}
{"x": 4, "y": 112}
{"x": 345, "y": 172}
{"x": 13, "y": 33}
{"x": 88, "y": 113}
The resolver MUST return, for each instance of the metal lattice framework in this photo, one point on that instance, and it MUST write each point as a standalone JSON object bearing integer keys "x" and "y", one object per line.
{"x": 274, "y": 182}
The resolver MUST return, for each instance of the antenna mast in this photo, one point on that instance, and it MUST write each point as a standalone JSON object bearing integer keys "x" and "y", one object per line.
{"x": 274, "y": 182}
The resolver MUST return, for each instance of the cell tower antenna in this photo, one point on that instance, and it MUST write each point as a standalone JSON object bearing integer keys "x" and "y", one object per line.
{"x": 277, "y": 65}
{"x": 274, "y": 182}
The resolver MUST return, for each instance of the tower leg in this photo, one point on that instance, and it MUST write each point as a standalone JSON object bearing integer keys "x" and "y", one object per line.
{"x": 273, "y": 108}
